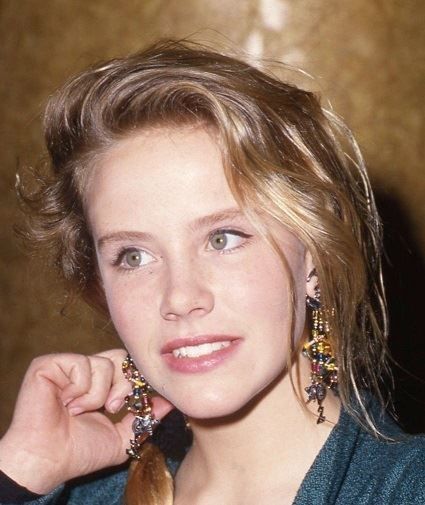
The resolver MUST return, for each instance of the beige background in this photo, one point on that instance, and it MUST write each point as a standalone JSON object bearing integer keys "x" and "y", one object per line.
{"x": 367, "y": 55}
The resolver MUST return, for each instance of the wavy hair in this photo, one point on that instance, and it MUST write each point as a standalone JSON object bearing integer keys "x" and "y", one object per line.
{"x": 282, "y": 152}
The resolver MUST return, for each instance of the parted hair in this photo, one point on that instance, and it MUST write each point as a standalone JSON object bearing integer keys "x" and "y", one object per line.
{"x": 282, "y": 153}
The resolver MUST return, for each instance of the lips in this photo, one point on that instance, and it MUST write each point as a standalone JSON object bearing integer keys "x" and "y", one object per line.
{"x": 199, "y": 353}
{"x": 195, "y": 351}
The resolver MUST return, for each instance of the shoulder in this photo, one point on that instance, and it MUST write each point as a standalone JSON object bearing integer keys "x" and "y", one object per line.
{"x": 390, "y": 472}
{"x": 399, "y": 461}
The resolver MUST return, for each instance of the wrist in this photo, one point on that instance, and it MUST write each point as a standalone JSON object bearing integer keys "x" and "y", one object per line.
{"x": 29, "y": 470}
{"x": 12, "y": 492}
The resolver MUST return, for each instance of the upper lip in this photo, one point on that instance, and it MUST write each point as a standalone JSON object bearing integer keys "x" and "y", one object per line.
{"x": 195, "y": 340}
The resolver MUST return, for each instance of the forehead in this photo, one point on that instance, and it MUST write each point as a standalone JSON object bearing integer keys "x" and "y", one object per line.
{"x": 163, "y": 174}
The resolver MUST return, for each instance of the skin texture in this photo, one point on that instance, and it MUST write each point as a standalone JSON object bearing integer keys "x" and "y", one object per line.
{"x": 63, "y": 434}
{"x": 177, "y": 259}
{"x": 155, "y": 203}
{"x": 154, "y": 195}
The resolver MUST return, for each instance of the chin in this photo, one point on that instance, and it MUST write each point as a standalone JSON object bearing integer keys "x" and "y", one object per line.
{"x": 215, "y": 405}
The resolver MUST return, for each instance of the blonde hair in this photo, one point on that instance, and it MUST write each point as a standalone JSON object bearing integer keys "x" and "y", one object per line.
{"x": 282, "y": 153}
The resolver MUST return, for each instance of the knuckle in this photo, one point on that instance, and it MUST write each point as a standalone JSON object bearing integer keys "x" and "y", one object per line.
{"x": 41, "y": 362}
{"x": 114, "y": 354}
{"x": 102, "y": 364}
{"x": 48, "y": 361}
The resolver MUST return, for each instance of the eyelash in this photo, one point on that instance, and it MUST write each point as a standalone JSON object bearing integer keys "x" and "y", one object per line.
{"x": 230, "y": 231}
{"x": 119, "y": 256}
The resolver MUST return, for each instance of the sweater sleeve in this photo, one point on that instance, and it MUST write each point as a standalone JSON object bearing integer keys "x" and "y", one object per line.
{"x": 102, "y": 488}
{"x": 12, "y": 493}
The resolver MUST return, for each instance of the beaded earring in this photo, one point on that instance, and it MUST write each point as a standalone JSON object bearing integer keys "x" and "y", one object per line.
{"x": 324, "y": 369}
{"x": 139, "y": 402}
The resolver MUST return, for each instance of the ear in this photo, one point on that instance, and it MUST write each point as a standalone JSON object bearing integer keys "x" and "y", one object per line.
{"x": 310, "y": 275}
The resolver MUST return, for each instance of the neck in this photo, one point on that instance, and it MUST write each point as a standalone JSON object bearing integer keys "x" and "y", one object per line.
{"x": 270, "y": 444}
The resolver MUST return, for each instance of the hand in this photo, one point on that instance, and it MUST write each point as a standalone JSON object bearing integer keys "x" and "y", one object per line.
{"x": 57, "y": 431}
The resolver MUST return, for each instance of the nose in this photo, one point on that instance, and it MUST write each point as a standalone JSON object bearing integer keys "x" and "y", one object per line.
{"x": 187, "y": 292}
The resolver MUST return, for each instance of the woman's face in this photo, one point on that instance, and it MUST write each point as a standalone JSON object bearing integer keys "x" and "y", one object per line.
{"x": 199, "y": 298}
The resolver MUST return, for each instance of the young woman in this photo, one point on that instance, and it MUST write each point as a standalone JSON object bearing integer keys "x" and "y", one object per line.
{"x": 212, "y": 212}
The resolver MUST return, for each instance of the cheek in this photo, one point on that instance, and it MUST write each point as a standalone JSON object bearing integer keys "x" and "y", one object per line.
{"x": 278, "y": 301}
{"x": 265, "y": 284}
{"x": 131, "y": 312}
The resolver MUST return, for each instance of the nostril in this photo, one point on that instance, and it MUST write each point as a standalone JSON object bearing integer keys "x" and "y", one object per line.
{"x": 176, "y": 306}
{"x": 186, "y": 292}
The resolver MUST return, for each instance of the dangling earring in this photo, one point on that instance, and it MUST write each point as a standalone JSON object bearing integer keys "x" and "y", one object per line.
{"x": 324, "y": 370}
{"x": 140, "y": 404}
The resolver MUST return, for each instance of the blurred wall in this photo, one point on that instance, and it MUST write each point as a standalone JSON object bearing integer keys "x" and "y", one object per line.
{"x": 367, "y": 56}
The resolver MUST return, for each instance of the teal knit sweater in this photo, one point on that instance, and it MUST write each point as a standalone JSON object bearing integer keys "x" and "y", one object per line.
{"x": 352, "y": 468}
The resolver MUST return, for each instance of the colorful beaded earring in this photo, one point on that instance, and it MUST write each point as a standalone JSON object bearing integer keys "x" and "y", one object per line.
{"x": 139, "y": 402}
{"x": 324, "y": 369}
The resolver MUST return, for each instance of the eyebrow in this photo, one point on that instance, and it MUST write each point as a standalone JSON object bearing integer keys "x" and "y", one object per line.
{"x": 121, "y": 236}
{"x": 215, "y": 218}
{"x": 201, "y": 222}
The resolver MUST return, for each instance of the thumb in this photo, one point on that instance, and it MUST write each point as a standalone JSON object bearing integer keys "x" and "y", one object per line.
{"x": 161, "y": 407}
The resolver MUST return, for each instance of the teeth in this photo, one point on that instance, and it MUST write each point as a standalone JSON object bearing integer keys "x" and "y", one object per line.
{"x": 194, "y": 351}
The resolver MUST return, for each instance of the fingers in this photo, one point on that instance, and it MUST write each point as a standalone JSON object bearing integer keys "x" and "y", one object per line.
{"x": 121, "y": 387}
{"x": 93, "y": 388}
{"x": 87, "y": 383}
{"x": 107, "y": 387}
{"x": 161, "y": 407}
{"x": 82, "y": 383}
{"x": 66, "y": 376}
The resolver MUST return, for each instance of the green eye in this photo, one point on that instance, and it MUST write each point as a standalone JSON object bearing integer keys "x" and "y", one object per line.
{"x": 218, "y": 240}
{"x": 227, "y": 240}
{"x": 133, "y": 258}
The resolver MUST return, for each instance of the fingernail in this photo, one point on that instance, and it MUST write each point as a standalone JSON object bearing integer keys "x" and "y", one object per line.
{"x": 115, "y": 406}
{"x": 74, "y": 411}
